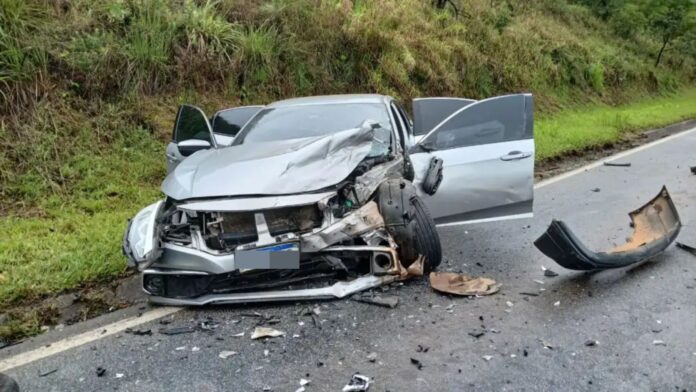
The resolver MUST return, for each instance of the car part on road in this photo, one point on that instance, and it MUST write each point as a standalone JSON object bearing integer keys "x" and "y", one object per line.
{"x": 358, "y": 383}
{"x": 655, "y": 226}
{"x": 687, "y": 248}
{"x": 388, "y": 301}
{"x": 616, "y": 164}
{"x": 462, "y": 284}
{"x": 693, "y": 169}
{"x": 266, "y": 332}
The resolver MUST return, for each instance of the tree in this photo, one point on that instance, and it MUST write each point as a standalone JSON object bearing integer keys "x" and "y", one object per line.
{"x": 669, "y": 20}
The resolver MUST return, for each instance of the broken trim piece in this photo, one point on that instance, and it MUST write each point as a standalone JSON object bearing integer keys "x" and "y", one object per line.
{"x": 655, "y": 226}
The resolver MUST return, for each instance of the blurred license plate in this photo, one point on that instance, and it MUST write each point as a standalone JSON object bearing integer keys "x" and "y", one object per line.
{"x": 281, "y": 256}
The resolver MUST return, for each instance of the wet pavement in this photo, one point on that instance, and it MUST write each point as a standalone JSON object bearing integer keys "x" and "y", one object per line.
{"x": 642, "y": 319}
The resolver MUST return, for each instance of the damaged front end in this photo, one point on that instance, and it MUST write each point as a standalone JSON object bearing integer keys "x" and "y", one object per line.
{"x": 655, "y": 226}
{"x": 317, "y": 245}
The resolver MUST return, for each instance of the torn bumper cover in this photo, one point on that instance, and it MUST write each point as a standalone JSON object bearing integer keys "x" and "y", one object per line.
{"x": 655, "y": 226}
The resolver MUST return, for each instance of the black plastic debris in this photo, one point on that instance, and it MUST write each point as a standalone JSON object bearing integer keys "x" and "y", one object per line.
{"x": 177, "y": 330}
{"x": 417, "y": 363}
{"x": 422, "y": 349}
{"x": 693, "y": 169}
{"x": 655, "y": 226}
{"x": 45, "y": 373}
{"x": 387, "y": 301}
{"x": 358, "y": 383}
{"x": 101, "y": 371}
{"x": 617, "y": 164}
{"x": 595, "y": 190}
{"x": 138, "y": 332}
{"x": 590, "y": 343}
{"x": 477, "y": 333}
{"x": 687, "y": 248}
{"x": 549, "y": 273}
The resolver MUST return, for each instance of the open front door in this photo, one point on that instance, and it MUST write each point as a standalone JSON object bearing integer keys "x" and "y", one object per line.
{"x": 487, "y": 148}
{"x": 192, "y": 132}
{"x": 428, "y": 112}
{"x": 227, "y": 123}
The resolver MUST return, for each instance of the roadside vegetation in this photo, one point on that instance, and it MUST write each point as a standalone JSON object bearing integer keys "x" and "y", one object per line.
{"x": 88, "y": 93}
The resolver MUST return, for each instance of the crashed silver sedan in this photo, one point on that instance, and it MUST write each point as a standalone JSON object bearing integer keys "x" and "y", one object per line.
{"x": 322, "y": 197}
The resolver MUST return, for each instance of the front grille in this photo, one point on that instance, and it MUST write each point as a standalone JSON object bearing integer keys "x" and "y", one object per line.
{"x": 293, "y": 219}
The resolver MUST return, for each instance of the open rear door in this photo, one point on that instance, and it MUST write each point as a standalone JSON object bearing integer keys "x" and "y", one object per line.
{"x": 487, "y": 148}
{"x": 227, "y": 123}
{"x": 192, "y": 132}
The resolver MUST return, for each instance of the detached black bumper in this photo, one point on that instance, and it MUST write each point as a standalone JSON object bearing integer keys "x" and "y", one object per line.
{"x": 655, "y": 226}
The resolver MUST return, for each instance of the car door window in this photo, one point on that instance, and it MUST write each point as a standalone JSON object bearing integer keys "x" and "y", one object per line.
{"x": 228, "y": 122}
{"x": 431, "y": 111}
{"x": 489, "y": 121}
{"x": 191, "y": 123}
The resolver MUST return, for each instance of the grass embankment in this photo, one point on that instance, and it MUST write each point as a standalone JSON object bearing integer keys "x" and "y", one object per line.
{"x": 575, "y": 130}
{"x": 88, "y": 92}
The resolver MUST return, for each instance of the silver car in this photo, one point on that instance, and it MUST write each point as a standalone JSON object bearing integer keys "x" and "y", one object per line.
{"x": 322, "y": 197}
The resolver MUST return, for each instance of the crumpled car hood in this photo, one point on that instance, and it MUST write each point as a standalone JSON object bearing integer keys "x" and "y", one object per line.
{"x": 270, "y": 168}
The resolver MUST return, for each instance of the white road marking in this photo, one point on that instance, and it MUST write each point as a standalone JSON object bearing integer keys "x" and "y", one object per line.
{"x": 620, "y": 155}
{"x": 83, "y": 338}
{"x": 118, "y": 326}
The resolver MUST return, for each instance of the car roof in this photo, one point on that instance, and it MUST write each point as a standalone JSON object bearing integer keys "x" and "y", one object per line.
{"x": 331, "y": 99}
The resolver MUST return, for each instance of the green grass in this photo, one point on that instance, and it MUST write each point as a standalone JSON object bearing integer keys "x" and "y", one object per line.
{"x": 592, "y": 126}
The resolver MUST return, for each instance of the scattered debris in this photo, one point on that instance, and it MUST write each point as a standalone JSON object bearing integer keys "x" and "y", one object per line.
{"x": 659, "y": 343}
{"x": 487, "y": 357}
{"x": 181, "y": 348}
{"x": 265, "y": 332}
{"x": 358, "y": 383}
{"x": 687, "y": 248}
{"x": 208, "y": 325}
{"x": 422, "y": 349}
{"x": 417, "y": 363}
{"x": 462, "y": 284}
{"x": 557, "y": 303}
{"x": 101, "y": 371}
{"x": 546, "y": 344}
{"x": 509, "y": 304}
{"x": 388, "y": 301}
{"x": 372, "y": 357}
{"x": 529, "y": 294}
{"x": 591, "y": 343}
{"x": 226, "y": 354}
{"x": 550, "y": 273}
{"x": 617, "y": 164}
{"x": 693, "y": 169}
{"x": 46, "y": 373}
{"x": 595, "y": 190}
{"x": 194, "y": 349}
{"x": 139, "y": 332}
{"x": 119, "y": 375}
{"x": 177, "y": 330}
{"x": 238, "y": 335}
{"x": 477, "y": 333}
{"x": 655, "y": 226}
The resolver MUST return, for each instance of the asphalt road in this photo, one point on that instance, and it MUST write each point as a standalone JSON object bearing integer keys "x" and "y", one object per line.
{"x": 625, "y": 310}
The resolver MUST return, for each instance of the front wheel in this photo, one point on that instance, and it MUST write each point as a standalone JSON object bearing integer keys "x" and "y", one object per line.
{"x": 408, "y": 221}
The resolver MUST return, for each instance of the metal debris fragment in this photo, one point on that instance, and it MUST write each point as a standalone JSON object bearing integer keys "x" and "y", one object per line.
{"x": 177, "y": 330}
{"x": 387, "y": 301}
{"x": 487, "y": 357}
{"x": 226, "y": 354}
{"x": 462, "y": 284}
{"x": 265, "y": 332}
{"x": 48, "y": 372}
{"x": 659, "y": 343}
{"x": 591, "y": 343}
{"x": 550, "y": 273}
{"x": 358, "y": 383}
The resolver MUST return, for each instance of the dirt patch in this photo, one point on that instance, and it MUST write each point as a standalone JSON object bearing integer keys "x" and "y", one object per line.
{"x": 30, "y": 318}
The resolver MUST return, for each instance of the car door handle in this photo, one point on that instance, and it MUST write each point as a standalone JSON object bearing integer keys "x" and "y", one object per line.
{"x": 171, "y": 156}
{"x": 515, "y": 156}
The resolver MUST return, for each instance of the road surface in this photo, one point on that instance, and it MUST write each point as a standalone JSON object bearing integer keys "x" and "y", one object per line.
{"x": 643, "y": 317}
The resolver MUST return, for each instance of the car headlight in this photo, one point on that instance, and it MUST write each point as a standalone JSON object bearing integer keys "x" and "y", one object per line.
{"x": 140, "y": 244}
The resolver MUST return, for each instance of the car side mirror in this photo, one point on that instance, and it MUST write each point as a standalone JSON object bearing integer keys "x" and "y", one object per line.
{"x": 188, "y": 147}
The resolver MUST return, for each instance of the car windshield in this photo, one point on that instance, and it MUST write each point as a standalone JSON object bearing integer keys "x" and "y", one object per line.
{"x": 301, "y": 121}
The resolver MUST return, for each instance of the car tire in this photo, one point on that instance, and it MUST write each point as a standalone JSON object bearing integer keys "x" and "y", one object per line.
{"x": 409, "y": 223}
{"x": 427, "y": 238}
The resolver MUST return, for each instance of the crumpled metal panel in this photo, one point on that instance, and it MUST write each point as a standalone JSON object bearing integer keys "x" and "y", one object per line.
{"x": 655, "y": 226}
{"x": 270, "y": 168}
